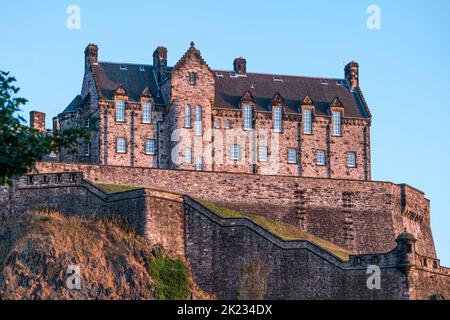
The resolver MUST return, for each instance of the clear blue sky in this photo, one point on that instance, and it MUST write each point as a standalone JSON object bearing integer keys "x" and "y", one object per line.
{"x": 405, "y": 66}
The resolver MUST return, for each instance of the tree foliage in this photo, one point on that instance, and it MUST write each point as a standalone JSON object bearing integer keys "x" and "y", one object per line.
{"x": 21, "y": 146}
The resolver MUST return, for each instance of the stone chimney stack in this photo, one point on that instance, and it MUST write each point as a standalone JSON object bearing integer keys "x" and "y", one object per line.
{"x": 160, "y": 62}
{"x": 37, "y": 120}
{"x": 90, "y": 55}
{"x": 240, "y": 65}
{"x": 352, "y": 74}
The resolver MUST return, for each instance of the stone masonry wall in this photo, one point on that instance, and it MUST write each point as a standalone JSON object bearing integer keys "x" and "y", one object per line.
{"x": 362, "y": 216}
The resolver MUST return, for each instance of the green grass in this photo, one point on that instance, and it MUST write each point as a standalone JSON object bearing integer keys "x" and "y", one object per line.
{"x": 114, "y": 188}
{"x": 171, "y": 278}
{"x": 284, "y": 231}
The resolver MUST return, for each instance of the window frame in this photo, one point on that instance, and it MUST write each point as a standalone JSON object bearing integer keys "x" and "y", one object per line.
{"x": 187, "y": 151}
{"x": 199, "y": 163}
{"x": 227, "y": 124}
{"x": 120, "y": 111}
{"x": 248, "y": 117}
{"x": 147, "y": 112}
{"x": 87, "y": 123}
{"x": 150, "y": 147}
{"x": 323, "y": 156}
{"x": 198, "y": 123}
{"x": 266, "y": 154}
{"x": 192, "y": 78}
{"x": 188, "y": 116}
{"x": 235, "y": 152}
{"x": 353, "y": 164}
{"x": 307, "y": 121}
{"x": 278, "y": 119}
{"x": 292, "y": 151}
{"x": 124, "y": 145}
{"x": 336, "y": 117}
{"x": 86, "y": 149}
{"x": 218, "y": 123}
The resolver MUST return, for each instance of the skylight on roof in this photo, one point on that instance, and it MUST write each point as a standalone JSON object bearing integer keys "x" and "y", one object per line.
{"x": 339, "y": 82}
{"x": 141, "y": 69}
{"x": 233, "y": 74}
{"x": 275, "y": 78}
{"x": 324, "y": 82}
{"x": 122, "y": 67}
{"x": 219, "y": 74}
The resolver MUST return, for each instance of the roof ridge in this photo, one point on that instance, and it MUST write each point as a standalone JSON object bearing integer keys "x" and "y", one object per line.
{"x": 283, "y": 75}
{"x": 126, "y": 63}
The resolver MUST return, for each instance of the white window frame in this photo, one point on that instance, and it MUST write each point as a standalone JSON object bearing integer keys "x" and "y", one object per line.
{"x": 147, "y": 112}
{"x": 150, "y": 145}
{"x": 120, "y": 110}
{"x": 248, "y": 117}
{"x": 351, "y": 159}
{"x": 321, "y": 160}
{"x": 263, "y": 154}
{"x": 187, "y": 116}
{"x": 121, "y": 145}
{"x": 187, "y": 155}
{"x": 292, "y": 155}
{"x": 198, "y": 125}
{"x": 337, "y": 123}
{"x": 278, "y": 119}
{"x": 307, "y": 121}
{"x": 199, "y": 163}
{"x": 235, "y": 152}
{"x": 87, "y": 123}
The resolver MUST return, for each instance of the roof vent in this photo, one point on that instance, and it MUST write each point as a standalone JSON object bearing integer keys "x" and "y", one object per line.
{"x": 324, "y": 82}
{"x": 122, "y": 67}
{"x": 275, "y": 78}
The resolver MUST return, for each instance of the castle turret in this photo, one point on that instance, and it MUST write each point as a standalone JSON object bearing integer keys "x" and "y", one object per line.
{"x": 405, "y": 250}
{"x": 90, "y": 55}
{"x": 160, "y": 62}
{"x": 352, "y": 74}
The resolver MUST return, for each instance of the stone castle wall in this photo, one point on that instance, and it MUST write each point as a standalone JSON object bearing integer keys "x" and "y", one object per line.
{"x": 361, "y": 216}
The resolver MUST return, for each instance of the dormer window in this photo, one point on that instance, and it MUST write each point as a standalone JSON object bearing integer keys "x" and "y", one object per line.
{"x": 147, "y": 112}
{"x": 337, "y": 122}
{"x": 192, "y": 78}
{"x": 120, "y": 110}
{"x": 307, "y": 121}
{"x": 277, "y": 119}
{"x": 248, "y": 117}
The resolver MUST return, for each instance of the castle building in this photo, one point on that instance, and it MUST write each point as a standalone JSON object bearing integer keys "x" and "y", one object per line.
{"x": 192, "y": 117}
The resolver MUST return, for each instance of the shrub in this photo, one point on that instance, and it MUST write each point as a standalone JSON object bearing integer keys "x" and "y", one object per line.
{"x": 171, "y": 278}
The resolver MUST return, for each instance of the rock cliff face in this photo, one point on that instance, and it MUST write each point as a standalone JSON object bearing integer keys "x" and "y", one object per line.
{"x": 41, "y": 254}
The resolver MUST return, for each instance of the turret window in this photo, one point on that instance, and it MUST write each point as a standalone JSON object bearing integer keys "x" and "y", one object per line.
{"x": 120, "y": 110}
{"x": 147, "y": 112}
{"x": 307, "y": 121}
{"x": 278, "y": 119}
{"x": 248, "y": 117}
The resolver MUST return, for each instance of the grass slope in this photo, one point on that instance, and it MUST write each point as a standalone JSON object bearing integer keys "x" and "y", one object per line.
{"x": 284, "y": 231}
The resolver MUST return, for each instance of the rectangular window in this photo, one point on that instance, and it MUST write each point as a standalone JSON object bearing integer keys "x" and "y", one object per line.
{"x": 187, "y": 116}
{"x": 187, "y": 155}
{"x": 150, "y": 147}
{"x": 120, "y": 110}
{"x": 147, "y": 112}
{"x": 228, "y": 124}
{"x": 192, "y": 78}
{"x": 121, "y": 145}
{"x": 292, "y": 155}
{"x": 86, "y": 123}
{"x": 307, "y": 121}
{"x": 277, "y": 118}
{"x": 263, "y": 154}
{"x": 198, "y": 121}
{"x": 248, "y": 117}
{"x": 351, "y": 159}
{"x": 87, "y": 149}
{"x": 218, "y": 123}
{"x": 235, "y": 152}
{"x": 337, "y": 117}
{"x": 320, "y": 157}
{"x": 199, "y": 163}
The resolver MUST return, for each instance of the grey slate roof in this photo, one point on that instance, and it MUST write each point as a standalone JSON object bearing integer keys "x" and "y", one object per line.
{"x": 75, "y": 104}
{"x": 293, "y": 89}
{"x": 110, "y": 76}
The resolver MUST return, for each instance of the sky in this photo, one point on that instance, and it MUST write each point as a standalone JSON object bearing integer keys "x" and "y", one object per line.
{"x": 404, "y": 64}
